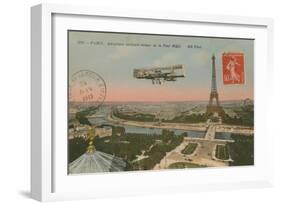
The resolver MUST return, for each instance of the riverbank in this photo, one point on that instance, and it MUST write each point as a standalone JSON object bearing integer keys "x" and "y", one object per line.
{"x": 180, "y": 126}
{"x": 183, "y": 126}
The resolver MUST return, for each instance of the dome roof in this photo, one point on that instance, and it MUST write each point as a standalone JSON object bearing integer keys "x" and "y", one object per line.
{"x": 96, "y": 161}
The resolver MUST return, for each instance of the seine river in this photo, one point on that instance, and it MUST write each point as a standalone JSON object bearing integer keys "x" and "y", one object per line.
{"x": 145, "y": 130}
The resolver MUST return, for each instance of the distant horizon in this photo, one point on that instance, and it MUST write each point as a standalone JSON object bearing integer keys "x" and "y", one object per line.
{"x": 176, "y": 101}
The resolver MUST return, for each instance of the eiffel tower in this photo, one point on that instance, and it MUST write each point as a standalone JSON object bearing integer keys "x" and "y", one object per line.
{"x": 214, "y": 103}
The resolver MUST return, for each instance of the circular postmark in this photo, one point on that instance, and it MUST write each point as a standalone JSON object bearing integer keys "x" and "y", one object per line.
{"x": 87, "y": 87}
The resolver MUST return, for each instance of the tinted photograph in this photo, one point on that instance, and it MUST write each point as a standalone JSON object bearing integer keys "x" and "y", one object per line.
{"x": 153, "y": 101}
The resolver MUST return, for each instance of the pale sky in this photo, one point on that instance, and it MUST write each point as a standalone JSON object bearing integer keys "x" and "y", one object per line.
{"x": 115, "y": 64}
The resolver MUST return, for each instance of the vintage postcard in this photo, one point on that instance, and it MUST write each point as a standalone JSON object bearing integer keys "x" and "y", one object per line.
{"x": 153, "y": 102}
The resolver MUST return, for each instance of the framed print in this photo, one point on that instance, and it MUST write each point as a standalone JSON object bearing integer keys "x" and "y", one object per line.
{"x": 135, "y": 102}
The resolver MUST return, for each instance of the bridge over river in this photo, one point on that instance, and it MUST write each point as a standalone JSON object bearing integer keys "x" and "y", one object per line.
{"x": 205, "y": 152}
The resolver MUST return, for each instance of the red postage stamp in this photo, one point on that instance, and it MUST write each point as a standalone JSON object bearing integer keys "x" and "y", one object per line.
{"x": 233, "y": 68}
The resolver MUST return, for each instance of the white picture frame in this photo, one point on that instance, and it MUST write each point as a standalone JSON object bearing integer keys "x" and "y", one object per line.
{"x": 49, "y": 181}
